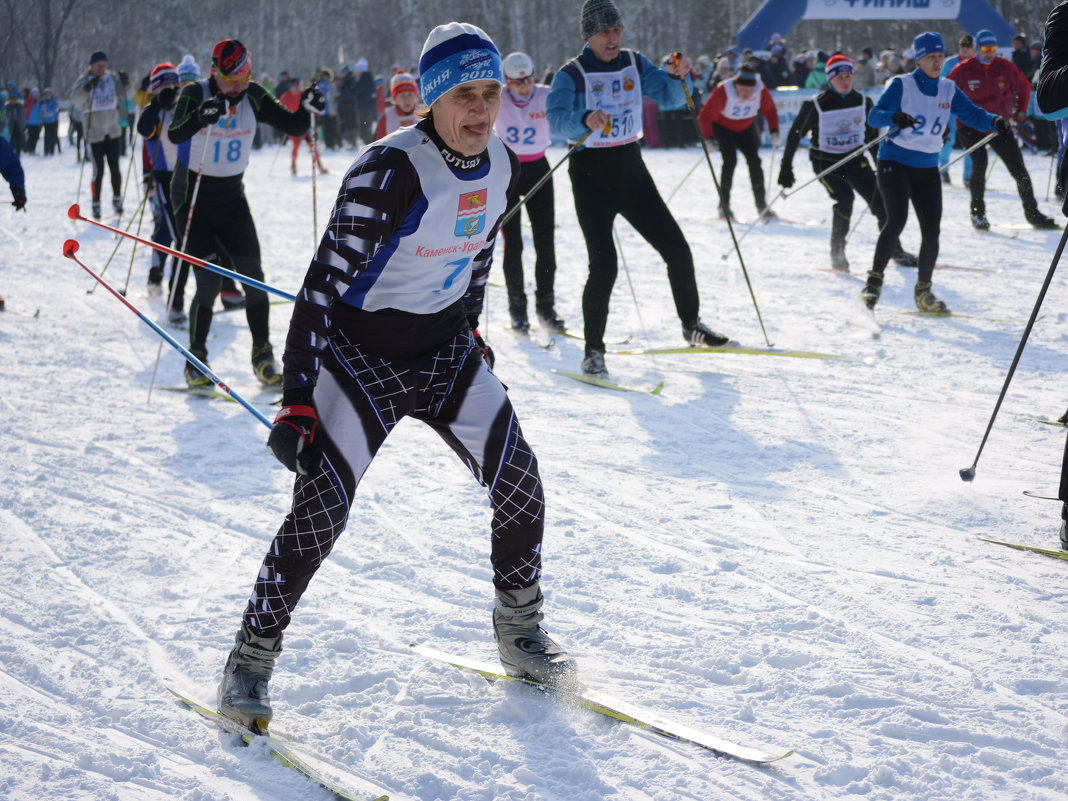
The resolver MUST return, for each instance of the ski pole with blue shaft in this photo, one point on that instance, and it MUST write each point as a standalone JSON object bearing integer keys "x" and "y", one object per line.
{"x": 75, "y": 213}
{"x": 70, "y": 249}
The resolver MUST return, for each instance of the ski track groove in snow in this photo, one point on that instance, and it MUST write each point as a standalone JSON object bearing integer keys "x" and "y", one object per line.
{"x": 775, "y": 550}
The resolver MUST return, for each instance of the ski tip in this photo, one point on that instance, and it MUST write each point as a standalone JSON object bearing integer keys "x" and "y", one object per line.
{"x": 75, "y": 211}
{"x": 769, "y": 758}
{"x": 70, "y": 247}
{"x": 657, "y": 389}
{"x": 1040, "y": 496}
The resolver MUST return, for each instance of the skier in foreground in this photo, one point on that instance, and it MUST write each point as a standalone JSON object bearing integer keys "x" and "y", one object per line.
{"x": 918, "y": 106}
{"x": 385, "y": 326}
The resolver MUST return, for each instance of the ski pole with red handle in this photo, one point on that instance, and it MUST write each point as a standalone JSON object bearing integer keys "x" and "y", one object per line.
{"x": 75, "y": 213}
{"x": 70, "y": 249}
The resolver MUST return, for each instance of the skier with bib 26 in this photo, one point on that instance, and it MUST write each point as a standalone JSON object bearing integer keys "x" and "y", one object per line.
{"x": 917, "y": 106}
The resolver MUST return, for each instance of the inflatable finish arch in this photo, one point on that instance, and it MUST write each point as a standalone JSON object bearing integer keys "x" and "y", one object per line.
{"x": 779, "y": 16}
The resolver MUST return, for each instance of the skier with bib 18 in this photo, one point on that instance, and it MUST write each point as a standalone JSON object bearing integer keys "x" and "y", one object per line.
{"x": 917, "y": 106}
{"x": 385, "y": 327}
{"x": 214, "y": 124}
{"x": 599, "y": 94}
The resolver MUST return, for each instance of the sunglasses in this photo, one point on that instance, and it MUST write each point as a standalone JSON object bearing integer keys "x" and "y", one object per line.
{"x": 528, "y": 79}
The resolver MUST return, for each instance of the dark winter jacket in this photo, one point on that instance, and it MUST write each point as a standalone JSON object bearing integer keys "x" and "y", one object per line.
{"x": 366, "y": 94}
{"x": 807, "y": 123}
{"x": 11, "y": 167}
{"x": 347, "y": 104}
{"x": 1052, "y": 89}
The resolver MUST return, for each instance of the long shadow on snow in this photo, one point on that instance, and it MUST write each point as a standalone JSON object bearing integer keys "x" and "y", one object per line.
{"x": 698, "y": 439}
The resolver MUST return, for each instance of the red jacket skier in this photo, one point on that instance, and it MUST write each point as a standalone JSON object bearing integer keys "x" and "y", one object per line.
{"x": 996, "y": 85}
{"x": 729, "y": 115}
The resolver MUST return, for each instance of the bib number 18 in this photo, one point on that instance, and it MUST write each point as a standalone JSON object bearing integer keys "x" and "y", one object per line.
{"x": 232, "y": 151}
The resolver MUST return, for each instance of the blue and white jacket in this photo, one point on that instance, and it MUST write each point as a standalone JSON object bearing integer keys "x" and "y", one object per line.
{"x": 566, "y": 107}
{"x": 906, "y": 146}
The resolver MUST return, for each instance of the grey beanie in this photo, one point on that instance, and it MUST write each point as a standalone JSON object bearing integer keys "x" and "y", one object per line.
{"x": 598, "y": 15}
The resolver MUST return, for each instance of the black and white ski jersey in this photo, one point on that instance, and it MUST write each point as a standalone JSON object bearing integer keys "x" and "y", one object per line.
{"x": 816, "y": 117}
{"x": 402, "y": 265}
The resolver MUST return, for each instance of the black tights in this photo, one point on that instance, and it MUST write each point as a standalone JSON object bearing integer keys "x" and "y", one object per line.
{"x": 898, "y": 184}
{"x": 607, "y": 182}
{"x": 540, "y": 208}
{"x": 747, "y": 141}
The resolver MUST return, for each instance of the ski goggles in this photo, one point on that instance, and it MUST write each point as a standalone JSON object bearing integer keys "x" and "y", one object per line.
{"x": 988, "y": 49}
{"x": 233, "y": 80}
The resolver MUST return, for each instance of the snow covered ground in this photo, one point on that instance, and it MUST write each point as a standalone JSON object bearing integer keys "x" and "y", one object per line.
{"x": 779, "y": 551}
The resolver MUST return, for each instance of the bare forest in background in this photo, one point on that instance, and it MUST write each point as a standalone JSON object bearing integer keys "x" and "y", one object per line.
{"x": 48, "y": 42}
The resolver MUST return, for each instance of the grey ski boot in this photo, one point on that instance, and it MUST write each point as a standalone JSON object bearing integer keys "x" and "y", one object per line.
{"x": 524, "y": 647}
{"x": 243, "y": 690}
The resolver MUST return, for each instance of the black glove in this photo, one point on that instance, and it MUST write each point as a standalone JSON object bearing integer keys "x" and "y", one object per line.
{"x": 312, "y": 100}
{"x": 165, "y": 97}
{"x": 124, "y": 78}
{"x": 210, "y": 110}
{"x": 487, "y": 351}
{"x": 92, "y": 83}
{"x": 294, "y": 439}
{"x": 1001, "y": 125}
{"x": 146, "y": 82}
{"x": 786, "y": 176}
{"x": 903, "y": 120}
{"x": 149, "y": 184}
{"x": 20, "y": 198}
